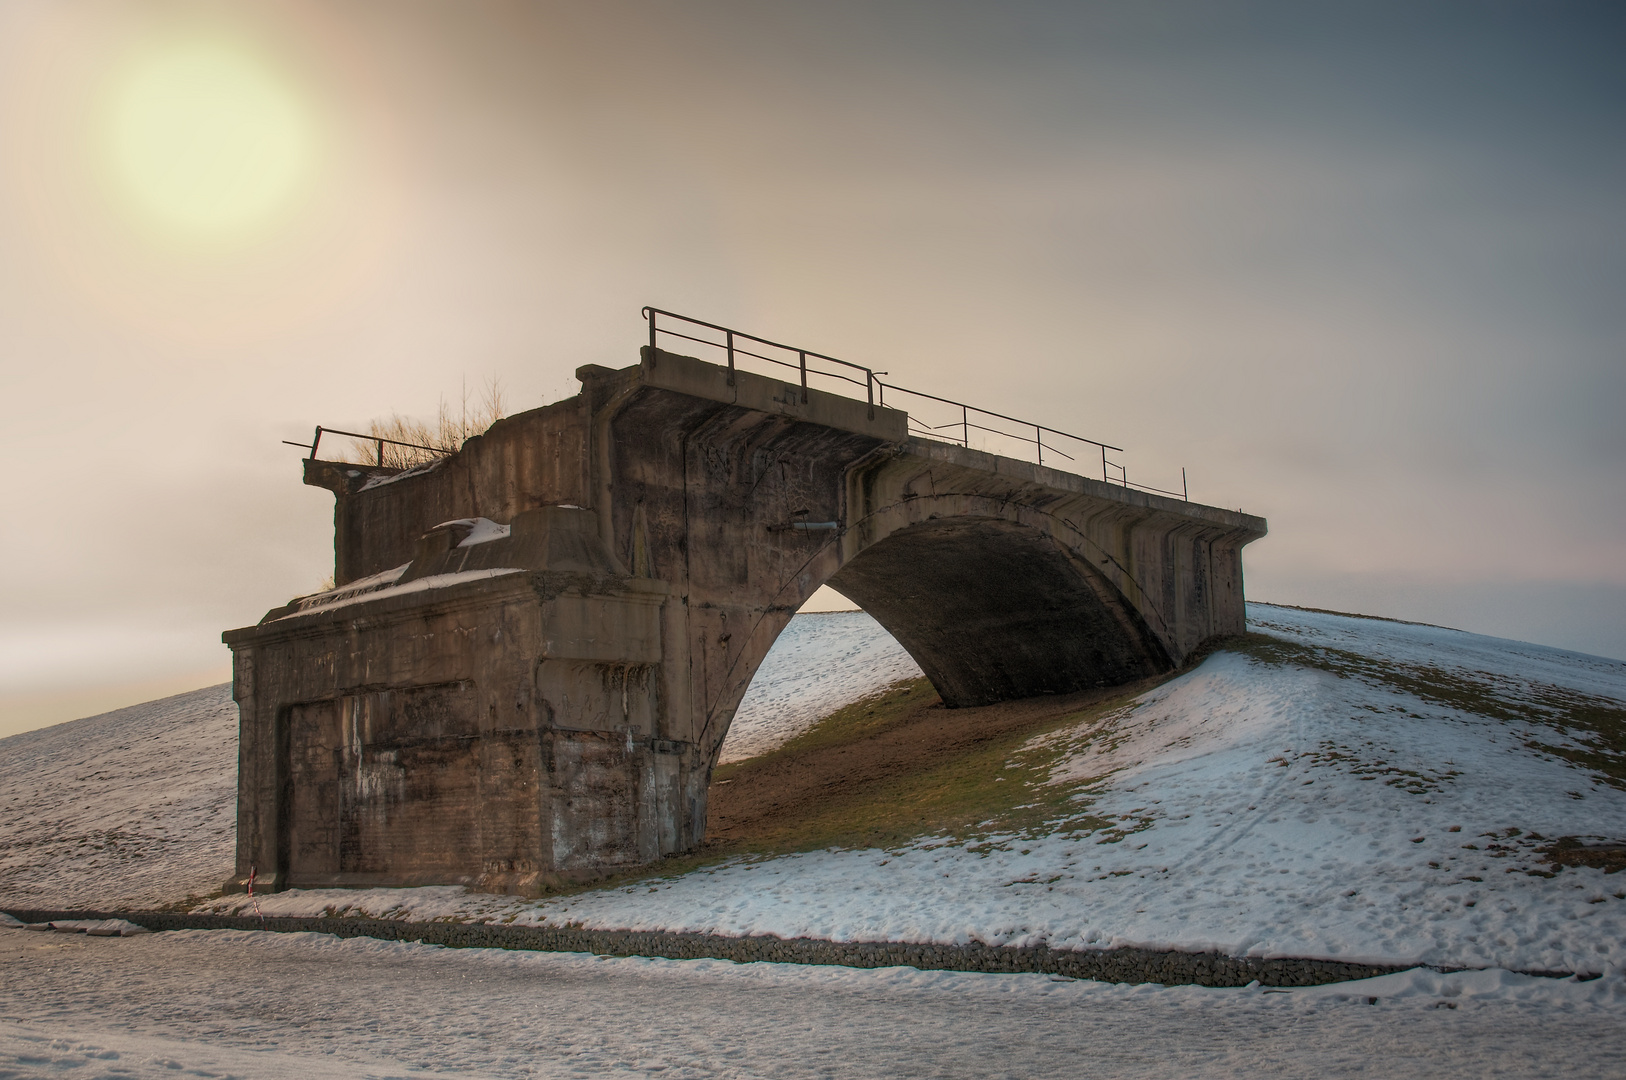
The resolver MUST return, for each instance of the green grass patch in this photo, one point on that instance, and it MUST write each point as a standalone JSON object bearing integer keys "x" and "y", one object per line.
{"x": 995, "y": 788}
{"x": 849, "y": 724}
{"x": 998, "y": 791}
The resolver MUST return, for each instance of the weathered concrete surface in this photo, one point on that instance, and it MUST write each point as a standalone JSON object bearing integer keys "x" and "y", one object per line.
{"x": 504, "y": 711}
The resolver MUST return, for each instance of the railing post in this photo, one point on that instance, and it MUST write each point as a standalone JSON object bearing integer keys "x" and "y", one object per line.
{"x": 380, "y": 453}
{"x": 651, "y": 337}
{"x": 965, "y": 427}
{"x": 731, "y": 357}
{"x": 803, "y": 355}
{"x": 316, "y": 440}
{"x": 869, "y": 390}
{"x": 1038, "y": 441}
{"x": 1104, "y": 479}
{"x": 1185, "y": 492}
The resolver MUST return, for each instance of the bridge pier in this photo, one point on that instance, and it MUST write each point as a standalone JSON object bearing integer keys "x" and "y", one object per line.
{"x": 535, "y": 647}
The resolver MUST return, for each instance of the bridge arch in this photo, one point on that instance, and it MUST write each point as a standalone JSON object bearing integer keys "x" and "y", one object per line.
{"x": 993, "y": 598}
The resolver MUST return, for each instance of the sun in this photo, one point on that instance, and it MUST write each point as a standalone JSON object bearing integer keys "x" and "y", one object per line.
{"x": 206, "y": 140}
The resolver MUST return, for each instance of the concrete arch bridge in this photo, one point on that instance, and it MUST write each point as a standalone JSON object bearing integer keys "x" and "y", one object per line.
{"x": 536, "y": 645}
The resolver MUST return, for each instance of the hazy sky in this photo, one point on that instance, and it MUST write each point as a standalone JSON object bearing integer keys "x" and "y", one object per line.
{"x": 1359, "y": 268}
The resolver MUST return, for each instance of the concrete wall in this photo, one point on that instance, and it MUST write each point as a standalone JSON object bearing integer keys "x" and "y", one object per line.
{"x": 536, "y": 458}
{"x": 490, "y": 727}
{"x": 552, "y": 703}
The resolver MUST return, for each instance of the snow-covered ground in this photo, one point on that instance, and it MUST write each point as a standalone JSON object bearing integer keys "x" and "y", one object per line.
{"x": 1356, "y": 800}
{"x": 308, "y": 1006}
{"x": 820, "y": 663}
{"x": 1380, "y": 801}
{"x": 131, "y": 809}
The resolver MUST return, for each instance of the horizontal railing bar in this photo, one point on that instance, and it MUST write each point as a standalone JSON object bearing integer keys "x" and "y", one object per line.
{"x": 1054, "y": 450}
{"x": 1122, "y": 481}
{"x": 772, "y": 360}
{"x": 1002, "y": 416}
{"x": 752, "y": 337}
{"x": 786, "y": 363}
{"x": 702, "y": 341}
{"x": 380, "y": 438}
{"x": 1157, "y": 490}
{"x": 997, "y": 431}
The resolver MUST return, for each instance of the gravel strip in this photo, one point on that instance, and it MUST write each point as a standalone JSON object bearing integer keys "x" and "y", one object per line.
{"x": 1124, "y": 965}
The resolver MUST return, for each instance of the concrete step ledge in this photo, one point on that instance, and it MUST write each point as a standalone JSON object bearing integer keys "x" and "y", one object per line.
{"x": 1123, "y": 965}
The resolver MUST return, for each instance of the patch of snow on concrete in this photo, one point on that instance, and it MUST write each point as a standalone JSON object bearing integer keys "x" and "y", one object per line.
{"x": 423, "y": 584}
{"x": 483, "y": 531}
{"x": 372, "y": 583}
{"x": 416, "y": 470}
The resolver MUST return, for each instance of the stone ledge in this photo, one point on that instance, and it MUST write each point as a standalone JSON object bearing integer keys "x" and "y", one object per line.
{"x": 1104, "y": 965}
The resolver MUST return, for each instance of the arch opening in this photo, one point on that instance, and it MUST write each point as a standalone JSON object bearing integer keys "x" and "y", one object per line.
{"x": 993, "y": 610}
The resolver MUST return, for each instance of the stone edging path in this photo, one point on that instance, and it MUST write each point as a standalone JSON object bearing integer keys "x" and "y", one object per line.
{"x": 1123, "y": 965}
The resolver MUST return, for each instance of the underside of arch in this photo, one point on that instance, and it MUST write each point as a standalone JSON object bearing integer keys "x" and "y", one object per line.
{"x": 993, "y": 610}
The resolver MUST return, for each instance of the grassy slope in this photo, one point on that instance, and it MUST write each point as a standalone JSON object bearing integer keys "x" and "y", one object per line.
{"x": 988, "y": 785}
{"x": 998, "y": 786}
{"x": 967, "y": 792}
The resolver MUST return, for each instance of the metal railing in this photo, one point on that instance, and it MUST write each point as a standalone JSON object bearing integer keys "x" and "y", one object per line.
{"x": 943, "y": 419}
{"x": 379, "y": 440}
{"x": 730, "y": 346}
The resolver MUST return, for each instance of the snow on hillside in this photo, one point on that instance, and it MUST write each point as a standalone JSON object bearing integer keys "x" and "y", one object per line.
{"x": 1520, "y": 668}
{"x": 135, "y": 808}
{"x": 821, "y": 662}
{"x": 1349, "y": 804}
{"x": 1370, "y": 790}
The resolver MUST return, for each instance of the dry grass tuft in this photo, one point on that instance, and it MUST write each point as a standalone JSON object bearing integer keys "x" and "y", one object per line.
{"x": 447, "y": 432}
{"x": 1571, "y": 851}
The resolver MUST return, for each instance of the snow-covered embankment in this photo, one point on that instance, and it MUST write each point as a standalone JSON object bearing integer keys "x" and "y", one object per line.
{"x": 1366, "y": 790}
